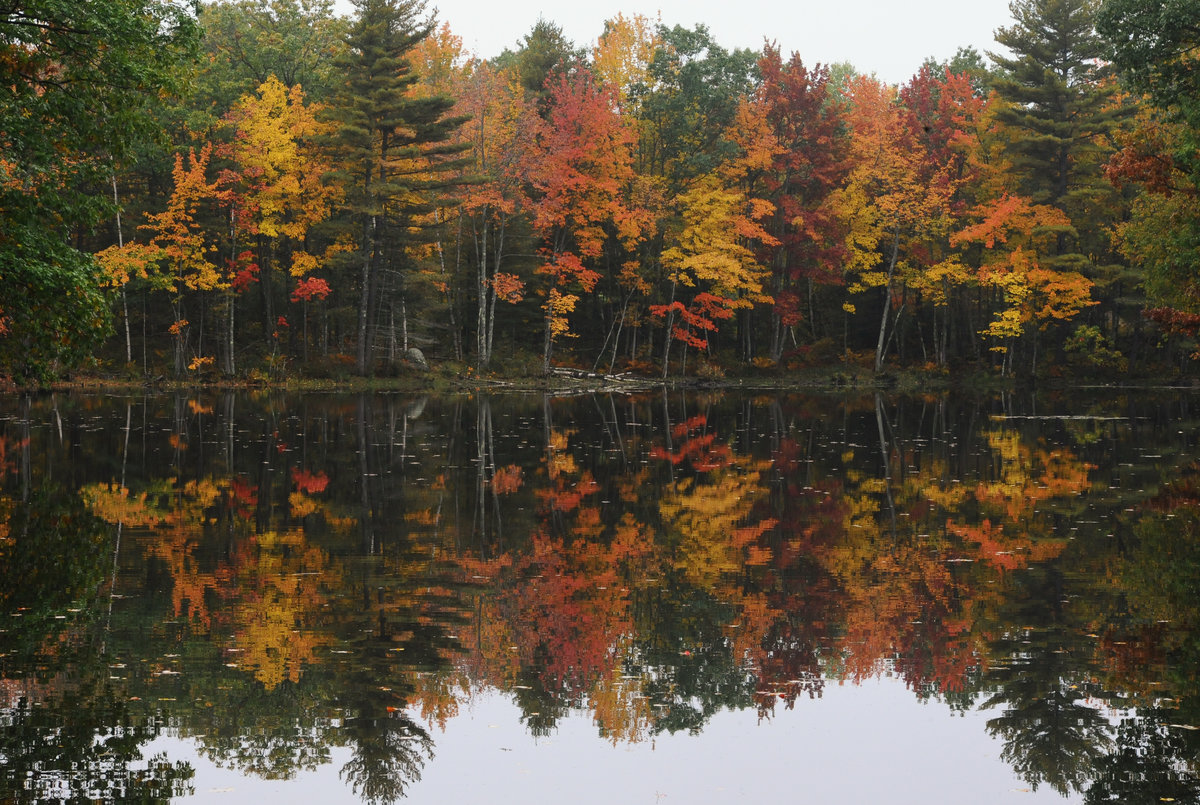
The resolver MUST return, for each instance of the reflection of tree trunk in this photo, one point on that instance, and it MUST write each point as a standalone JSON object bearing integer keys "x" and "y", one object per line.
{"x": 366, "y": 514}
{"x": 887, "y": 461}
{"x": 491, "y": 471}
{"x": 483, "y": 421}
{"x": 556, "y": 515}
{"x": 112, "y": 582}
{"x": 365, "y": 519}
{"x": 452, "y": 454}
{"x": 667, "y": 432}
{"x": 25, "y": 461}
{"x": 614, "y": 440}
{"x": 262, "y": 511}
{"x": 617, "y": 428}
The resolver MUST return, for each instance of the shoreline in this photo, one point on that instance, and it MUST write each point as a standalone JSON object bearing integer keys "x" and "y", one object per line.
{"x": 829, "y": 380}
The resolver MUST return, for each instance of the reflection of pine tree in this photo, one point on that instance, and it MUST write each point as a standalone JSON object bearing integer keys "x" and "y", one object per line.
{"x": 1152, "y": 763}
{"x": 693, "y": 672}
{"x": 84, "y": 746}
{"x": 541, "y": 707}
{"x": 389, "y": 752}
{"x": 1051, "y": 733}
{"x": 75, "y": 738}
{"x": 1157, "y": 755}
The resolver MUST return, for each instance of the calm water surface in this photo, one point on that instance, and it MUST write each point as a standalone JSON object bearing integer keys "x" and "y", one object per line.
{"x": 648, "y": 599}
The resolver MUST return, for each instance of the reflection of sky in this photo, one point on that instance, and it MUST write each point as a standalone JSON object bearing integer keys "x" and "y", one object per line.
{"x": 874, "y": 743}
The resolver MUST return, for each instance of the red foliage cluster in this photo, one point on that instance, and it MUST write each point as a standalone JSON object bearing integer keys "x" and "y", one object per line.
{"x": 1174, "y": 321}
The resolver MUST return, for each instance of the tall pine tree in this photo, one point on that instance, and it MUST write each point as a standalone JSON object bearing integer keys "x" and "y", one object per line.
{"x": 396, "y": 153}
{"x": 1056, "y": 98}
{"x": 1057, "y": 101}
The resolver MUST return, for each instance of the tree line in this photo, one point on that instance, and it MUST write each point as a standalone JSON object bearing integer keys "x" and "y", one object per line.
{"x": 263, "y": 188}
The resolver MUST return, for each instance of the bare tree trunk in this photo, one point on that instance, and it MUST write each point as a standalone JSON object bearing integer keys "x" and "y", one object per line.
{"x": 491, "y": 316}
{"x": 666, "y": 359}
{"x": 887, "y": 301}
{"x": 548, "y": 343}
{"x": 364, "y": 297}
{"x": 391, "y": 333}
{"x": 124, "y": 301}
{"x": 403, "y": 323}
{"x": 482, "y": 351}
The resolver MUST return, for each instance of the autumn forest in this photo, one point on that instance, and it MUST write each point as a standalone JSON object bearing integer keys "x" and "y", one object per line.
{"x": 265, "y": 189}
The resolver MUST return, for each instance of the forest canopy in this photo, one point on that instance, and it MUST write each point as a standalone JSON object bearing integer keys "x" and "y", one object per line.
{"x": 265, "y": 188}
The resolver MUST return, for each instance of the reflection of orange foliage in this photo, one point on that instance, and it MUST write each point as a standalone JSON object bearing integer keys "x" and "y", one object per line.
{"x": 565, "y": 606}
{"x": 567, "y": 497}
{"x": 8, "y": 465}
{"x": 1134, "y": 657}
{"x": 177, "y": 441}
{"x": 700, "y": 449}
{"x": 507, "y": 479}
{"x": 242, "y": 492}
{"x": 308, "y": 482}
{"x": 197, "y": 408}
{"x": 1003, "y": 551}
{"x": 564, "y": 494}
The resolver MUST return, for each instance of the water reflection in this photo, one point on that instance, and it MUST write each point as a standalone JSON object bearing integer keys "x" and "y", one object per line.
{"x": 288, "y": 579}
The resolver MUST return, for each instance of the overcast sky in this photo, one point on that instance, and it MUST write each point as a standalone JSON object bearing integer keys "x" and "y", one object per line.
{"x": 887, "y": 37}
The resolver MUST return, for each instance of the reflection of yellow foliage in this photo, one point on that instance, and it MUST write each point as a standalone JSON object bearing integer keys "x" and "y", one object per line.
{"x": 301, "y": 505}
{"x": 203, "y": 492}
{"x": 619, "y": 708}
{"x": 1028, "y": 477}
{"x": 873, "y": 486}
{"x": 559, "y": 461}
{"x": 114, "y": 505}
{"x": 711, "y": 519}
{"x": 437, "y": 695}
{"x": 275, "y": 630}
{"x": 947, "y": 498}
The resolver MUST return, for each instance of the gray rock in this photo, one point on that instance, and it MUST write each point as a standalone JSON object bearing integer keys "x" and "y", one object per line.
{"x": 416, "y": 357}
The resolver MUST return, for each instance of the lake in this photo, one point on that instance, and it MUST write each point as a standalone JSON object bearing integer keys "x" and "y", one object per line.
{"x": 648, "y": 598}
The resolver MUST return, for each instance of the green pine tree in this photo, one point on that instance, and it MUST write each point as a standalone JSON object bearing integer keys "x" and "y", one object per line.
{"x": 1056, "y": 98}
{"x": 396, "y": 152}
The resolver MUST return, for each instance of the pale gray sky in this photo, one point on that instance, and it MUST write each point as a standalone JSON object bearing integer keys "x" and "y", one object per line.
{"x": 874, "y": 742}
{"x": 886, "y": 37}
